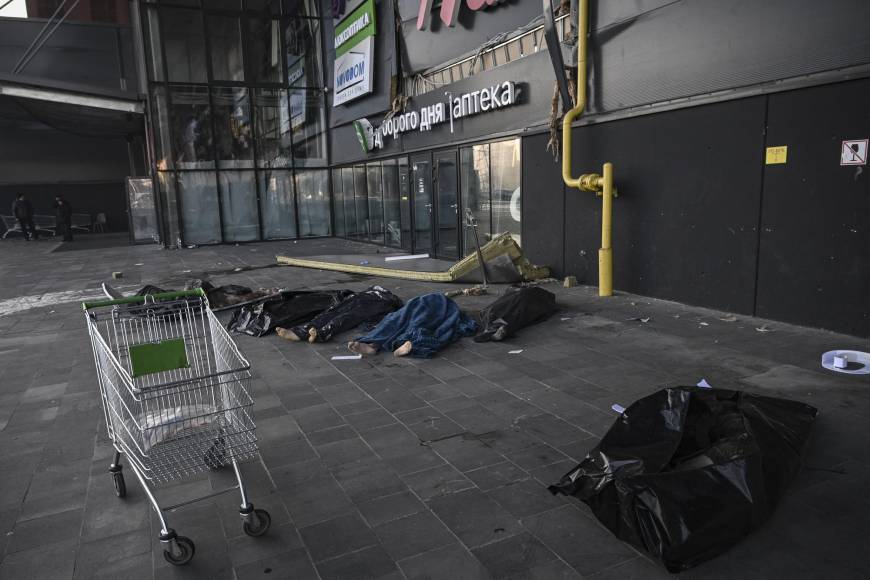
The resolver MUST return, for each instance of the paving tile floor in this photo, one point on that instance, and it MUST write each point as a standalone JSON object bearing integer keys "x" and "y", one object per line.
{"x": 390, "y": 468}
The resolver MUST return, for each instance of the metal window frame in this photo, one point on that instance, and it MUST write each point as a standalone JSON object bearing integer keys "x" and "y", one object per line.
{"x": 243, "y": 16}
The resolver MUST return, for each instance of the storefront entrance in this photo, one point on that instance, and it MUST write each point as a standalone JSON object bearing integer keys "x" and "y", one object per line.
{"x": 435, "y": 199}
{"x": 418, "y": 203}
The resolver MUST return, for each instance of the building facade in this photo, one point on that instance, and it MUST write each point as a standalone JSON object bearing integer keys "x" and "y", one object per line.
{"x": 389, "y": 121}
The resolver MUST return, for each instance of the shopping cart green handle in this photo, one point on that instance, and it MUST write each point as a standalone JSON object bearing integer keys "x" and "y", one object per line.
{"x": 196, "y": 293}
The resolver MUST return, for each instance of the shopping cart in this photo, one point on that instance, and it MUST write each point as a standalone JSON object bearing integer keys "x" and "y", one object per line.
{"x": 176, "y": 399}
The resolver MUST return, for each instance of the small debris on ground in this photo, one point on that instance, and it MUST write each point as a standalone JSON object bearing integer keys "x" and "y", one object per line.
{"x": 473, "y": 291}
{"x": 704, "y": 323}
{"x": 764, "y": 328}
{"x": 364, "y": 263}
{"x": 117, "y": 275}
{"x": 564, "y": 318}
{"x": 638, "y": 319}
{"x": 570, "y": 281}
{"x": 704, "y": 384}
{"x": 237, "y": 269}
{"x": 728, "y": 318}
{"x": 347, "y": 357}
{"x": 518, "y": 351}
{"x": 139, "y": 264}
{"x": 618, "y": 408}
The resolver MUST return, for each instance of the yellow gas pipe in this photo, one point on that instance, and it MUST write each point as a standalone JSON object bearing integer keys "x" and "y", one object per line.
{"x": 602, "y": 185}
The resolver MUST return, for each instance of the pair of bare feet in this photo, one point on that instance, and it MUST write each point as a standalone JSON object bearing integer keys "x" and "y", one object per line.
{"x": 290, "y": 335}
{"x": 366, "y": 348}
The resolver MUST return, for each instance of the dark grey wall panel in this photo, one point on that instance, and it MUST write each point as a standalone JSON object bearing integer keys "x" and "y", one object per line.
{"x": 88, "y": 54}
{"x": 814, "y": 265}
{"x": 543, "y": 205}
{"x": 684, "y": 224}
{"x": 700, "y": 46}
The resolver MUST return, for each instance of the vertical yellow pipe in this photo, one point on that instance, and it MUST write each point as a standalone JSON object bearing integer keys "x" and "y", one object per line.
{"x": 582, "y": 30}
{"x": 605, "y": 254}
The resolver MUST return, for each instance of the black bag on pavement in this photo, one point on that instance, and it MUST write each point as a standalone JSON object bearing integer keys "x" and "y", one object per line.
{"x": 516, "y": 309}
{"x": 686, "y": 473}
{"x": 365, "y": 308}
{"x": 287, "y": 309}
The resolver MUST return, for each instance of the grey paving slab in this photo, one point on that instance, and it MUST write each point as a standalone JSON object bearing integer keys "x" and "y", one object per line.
{"x": 413, "y": 534}
{"x": 453, "y": 562}
{"x": 464, "y": 442}
{"x": 474, "y": 518}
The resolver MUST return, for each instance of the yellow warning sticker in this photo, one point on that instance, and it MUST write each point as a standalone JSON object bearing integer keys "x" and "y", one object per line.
{"x": 776, "y": 155}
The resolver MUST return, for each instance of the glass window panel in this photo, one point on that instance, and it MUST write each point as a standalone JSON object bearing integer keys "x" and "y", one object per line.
{"x": 405, "y": 203}
{"x": 361, "y": 201}
{"x": 162, "y": 134}
{"x": 302, "y": 39}
{"x": 312, "y": 189}
{"x": 272, "y": 116}
{"x": 474, "y": 177}
{"x": 239, "y": 206}
{"x": 191, "y": 127}
{"x": 302, "y": 8}
{"x": 338, "y": 202}
{"x": 225, "y": 38}
{"x": 169, "y": 203}
{"x": 224, "y": 4}
{"x": 143, "y": 211}
{"x": 376, "y": 202}
{"x": 308, "y": 119}
{"x": 349, "y": 203}
{"x": 278, "y": 203}
{"x": 155, "y": 49}
{"x": 392, "y": 213}
{"x": 197, "y": 192}
{"x": 232, "y": 123}
{"x": 184, "y": 43}
{"x": 264, "y": 50}
{"x": 265, "y": 6}
{"x": 506, "y": 193}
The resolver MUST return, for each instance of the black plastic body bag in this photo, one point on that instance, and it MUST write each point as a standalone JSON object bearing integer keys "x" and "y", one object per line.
{"x": 686, "y": 473}
{"x": 367, "y": 308}
{"x": 516, "y": 309}
{"x": 286, "y": 309}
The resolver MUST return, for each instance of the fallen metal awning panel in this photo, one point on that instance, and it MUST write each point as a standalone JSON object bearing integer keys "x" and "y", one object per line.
{"x": 504, "y": 260}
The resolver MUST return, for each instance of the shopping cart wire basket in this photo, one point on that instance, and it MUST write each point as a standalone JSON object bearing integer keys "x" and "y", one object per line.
{"x": 176, "y": 396}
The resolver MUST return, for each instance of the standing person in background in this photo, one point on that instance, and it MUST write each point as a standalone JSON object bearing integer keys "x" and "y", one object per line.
{"x": 63, "y": 214}
{"x": 23, "y": 212}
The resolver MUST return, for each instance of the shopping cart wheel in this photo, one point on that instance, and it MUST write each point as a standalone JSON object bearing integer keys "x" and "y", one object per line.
{"x": 180, "y": 552}
{"x": 118, "y": 482}
{"x": 258, "y": 523}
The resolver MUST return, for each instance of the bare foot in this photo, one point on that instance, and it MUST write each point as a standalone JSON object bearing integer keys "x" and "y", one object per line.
{"x": 312, "y": 335}
{"x": 405, "y": 349}
{"x": 287, "y": 334}
{"x": 361, "y": 347}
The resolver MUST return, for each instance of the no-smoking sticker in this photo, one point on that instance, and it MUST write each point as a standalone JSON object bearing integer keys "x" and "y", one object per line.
{"x": 854, "y": 152}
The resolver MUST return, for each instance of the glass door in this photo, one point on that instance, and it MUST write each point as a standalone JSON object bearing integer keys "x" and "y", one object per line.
{"x": 447, "y": 205}
{"x": 421, "y": 203}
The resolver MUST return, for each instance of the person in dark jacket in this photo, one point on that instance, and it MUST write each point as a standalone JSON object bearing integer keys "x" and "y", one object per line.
{"x": 23, "y": 212}
{"x": 63, "y": 214}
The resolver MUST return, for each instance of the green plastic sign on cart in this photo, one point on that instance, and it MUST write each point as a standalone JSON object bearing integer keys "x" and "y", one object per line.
{"x": 157, "y": 357}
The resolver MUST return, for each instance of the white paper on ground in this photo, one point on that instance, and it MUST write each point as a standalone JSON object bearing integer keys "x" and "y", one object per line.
{"x": 515, "y": 351}
{"x": 347, "y": 357}
{"x": 860, "y": 360}
{"x": 411, "y": 257}
{"x": 704, "y": 384}
{"x": 618, "y": 408}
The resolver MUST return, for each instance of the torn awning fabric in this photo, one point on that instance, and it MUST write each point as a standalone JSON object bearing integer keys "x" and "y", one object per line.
{"x": 686, "y": 473}
{"x": 285, "y": 309}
